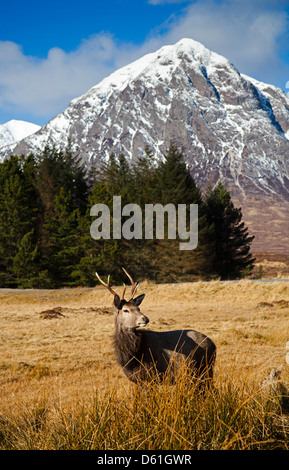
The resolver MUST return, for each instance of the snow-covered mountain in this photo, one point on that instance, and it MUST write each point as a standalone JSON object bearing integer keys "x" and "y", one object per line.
{"x": 13, "y": 131}
{"x": 230, "y": 126}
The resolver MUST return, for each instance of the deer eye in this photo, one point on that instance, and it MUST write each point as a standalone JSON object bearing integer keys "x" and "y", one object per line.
{"x": 125, "y": 310}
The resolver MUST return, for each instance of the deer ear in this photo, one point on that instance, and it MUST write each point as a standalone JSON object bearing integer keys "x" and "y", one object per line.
{"x": 138, "y": 300}
{"x": 117, "y": 301}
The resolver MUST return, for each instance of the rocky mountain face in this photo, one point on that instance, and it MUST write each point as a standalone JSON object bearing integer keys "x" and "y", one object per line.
{"x": 230, "y": 126}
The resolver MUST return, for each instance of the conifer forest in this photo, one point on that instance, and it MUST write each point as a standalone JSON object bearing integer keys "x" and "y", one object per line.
{"x": 45, "y": 240}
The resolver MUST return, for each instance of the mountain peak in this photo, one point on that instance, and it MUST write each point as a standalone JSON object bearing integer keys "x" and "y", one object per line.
{"x": 197, "y": 49}
{"x": 15, "y": 130}
{"x": 157, "y": 64}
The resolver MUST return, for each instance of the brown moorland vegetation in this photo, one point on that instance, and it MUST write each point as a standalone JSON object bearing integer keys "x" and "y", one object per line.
{"x": 62, "y": 389}
{"x": 272, "y": 266}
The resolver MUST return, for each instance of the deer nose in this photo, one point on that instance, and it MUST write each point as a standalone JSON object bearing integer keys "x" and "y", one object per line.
{"x": 144, "y": 321}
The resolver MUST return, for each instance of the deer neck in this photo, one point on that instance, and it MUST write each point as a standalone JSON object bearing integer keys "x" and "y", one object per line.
{"x": 127, "y": 345}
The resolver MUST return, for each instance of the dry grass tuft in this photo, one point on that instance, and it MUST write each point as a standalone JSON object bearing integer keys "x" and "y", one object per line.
{"x": 51, "y": 313}
{"x": 56, "y": 312}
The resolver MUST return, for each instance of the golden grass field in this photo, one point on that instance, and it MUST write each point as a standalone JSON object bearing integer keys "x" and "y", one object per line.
{"x": 61, "y": 363}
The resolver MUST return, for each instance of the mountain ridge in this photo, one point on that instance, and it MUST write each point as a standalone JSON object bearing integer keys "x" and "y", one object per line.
{"x": 231, "y": 127}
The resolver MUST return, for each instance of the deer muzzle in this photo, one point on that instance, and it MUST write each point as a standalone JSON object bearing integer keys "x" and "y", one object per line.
{"x": 143, "y": 321}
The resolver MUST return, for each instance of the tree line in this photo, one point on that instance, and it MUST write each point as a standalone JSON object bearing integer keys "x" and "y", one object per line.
{"x": 45, "y": 240}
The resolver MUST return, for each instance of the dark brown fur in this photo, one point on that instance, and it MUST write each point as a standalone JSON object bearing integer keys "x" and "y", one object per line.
{"x": 129, "y": 352}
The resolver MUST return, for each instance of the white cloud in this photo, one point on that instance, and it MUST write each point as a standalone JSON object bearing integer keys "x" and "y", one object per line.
{"x": 44, "y": 86}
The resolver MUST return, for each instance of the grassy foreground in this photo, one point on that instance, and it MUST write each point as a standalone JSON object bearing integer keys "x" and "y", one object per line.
{"x": 61, "y": 389}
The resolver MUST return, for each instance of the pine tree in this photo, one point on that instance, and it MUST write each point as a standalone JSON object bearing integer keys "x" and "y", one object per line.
{"x": 232, "y": 242}
{"x": 63, "y": 193}
{"x": 18, "y": 214}
{"x": 56, "y": 170}
{"x": 26, "y": 262}
{"x": 100, "y": 255}
{"x": 62, "y": 248}
{"x": 176, "y": 185}
{"x": 117, "y": 176}
{"x": 140, "y": 254}
{"x": 77, "y": 182}
{"x": 144, "y": 189}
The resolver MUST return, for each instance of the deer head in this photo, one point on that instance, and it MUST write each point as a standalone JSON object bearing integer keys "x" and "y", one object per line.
{"x": 128, "y": 314}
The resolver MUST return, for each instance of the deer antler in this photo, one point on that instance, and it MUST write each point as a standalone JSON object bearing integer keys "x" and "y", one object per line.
{"x": 122, "y": 297}
{"x": 134, "y": 285}
{"x": 106, "y": 284}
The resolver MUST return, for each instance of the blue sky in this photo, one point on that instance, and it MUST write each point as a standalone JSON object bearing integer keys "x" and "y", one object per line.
{"x": 53, "y": 52}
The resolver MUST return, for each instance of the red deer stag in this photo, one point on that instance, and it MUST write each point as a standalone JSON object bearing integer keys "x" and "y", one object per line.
{"x": 145, "y": 354}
